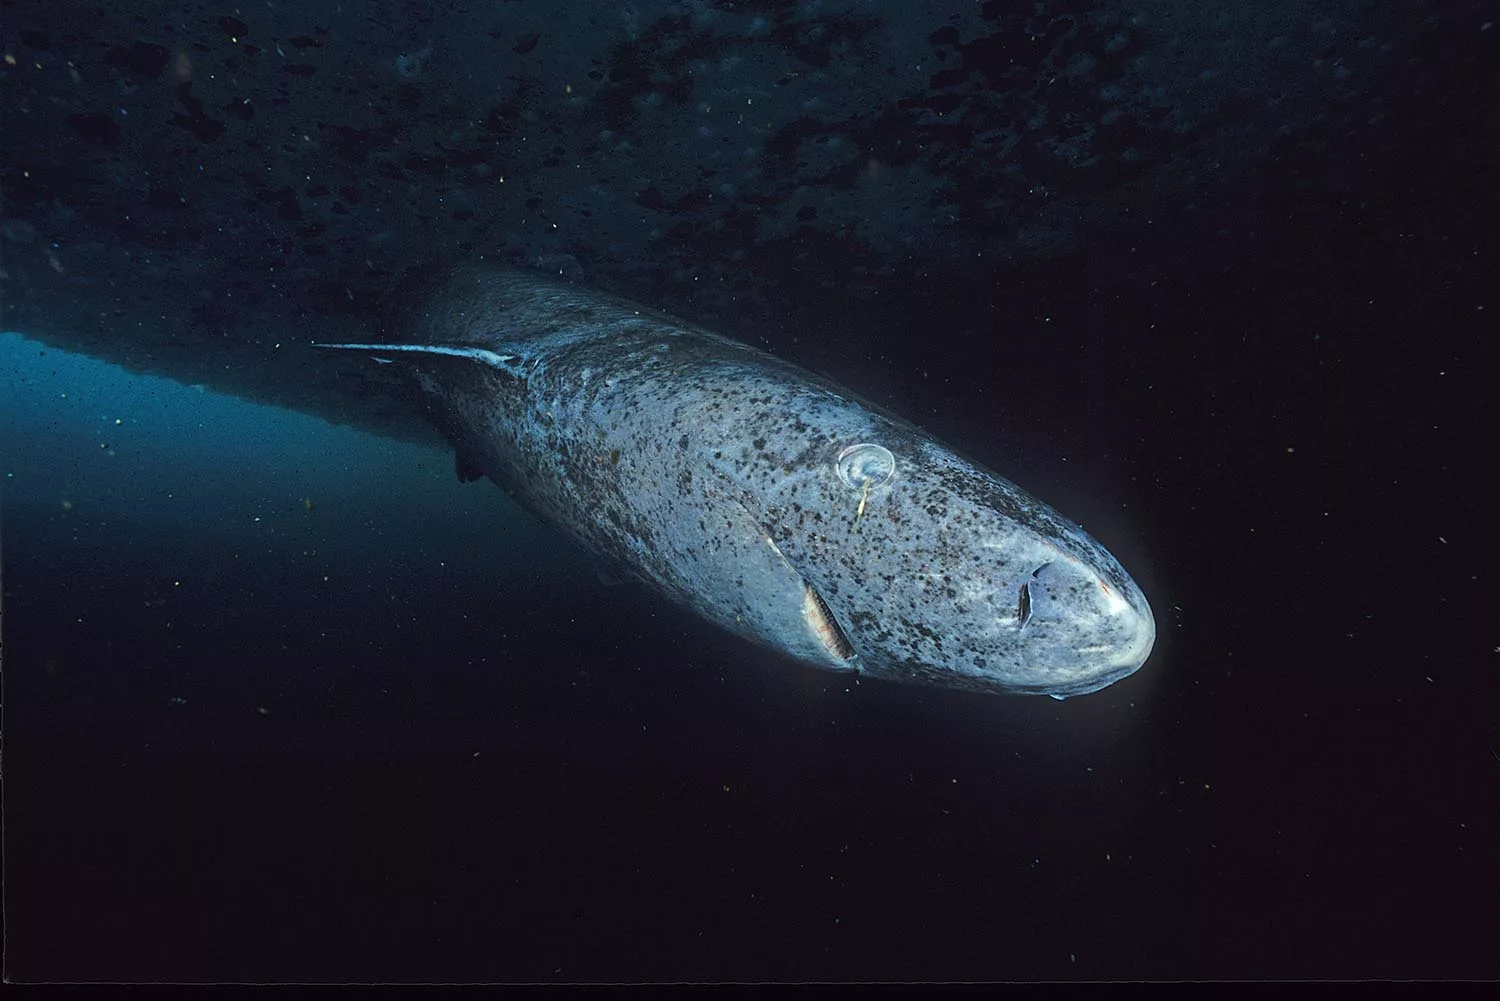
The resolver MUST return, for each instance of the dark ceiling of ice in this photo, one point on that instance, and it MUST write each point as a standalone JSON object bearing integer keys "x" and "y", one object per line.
{"x": 199, "y": 189}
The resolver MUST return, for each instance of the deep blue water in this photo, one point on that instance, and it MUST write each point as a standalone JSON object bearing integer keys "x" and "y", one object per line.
{"x": 402, "y": 731}
{"x": 286, "y": 702}
{"x": 410, "y": 707}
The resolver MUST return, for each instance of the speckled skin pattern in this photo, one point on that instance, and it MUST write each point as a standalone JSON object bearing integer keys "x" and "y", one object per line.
{"x": 711, "y": 471}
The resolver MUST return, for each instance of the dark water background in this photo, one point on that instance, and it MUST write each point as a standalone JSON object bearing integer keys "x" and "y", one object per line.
{"x": 286, "y": 702}
{"x": 407, "y": 733}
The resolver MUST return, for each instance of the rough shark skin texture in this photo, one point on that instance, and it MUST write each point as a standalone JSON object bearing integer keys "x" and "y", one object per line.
{"x": 762, "y": 497}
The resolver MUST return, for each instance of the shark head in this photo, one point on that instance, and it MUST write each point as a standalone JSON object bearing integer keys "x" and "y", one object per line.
{"x": 925, "y": 567}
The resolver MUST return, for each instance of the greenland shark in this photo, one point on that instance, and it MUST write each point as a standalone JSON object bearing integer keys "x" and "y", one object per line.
{"x": 760, "y": 496}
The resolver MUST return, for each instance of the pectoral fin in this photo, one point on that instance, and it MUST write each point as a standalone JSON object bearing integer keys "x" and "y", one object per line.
{"x": 466, "y": 467}
{"x": 772, "y": 601}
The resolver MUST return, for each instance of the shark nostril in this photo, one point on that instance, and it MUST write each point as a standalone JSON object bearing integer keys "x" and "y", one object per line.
{"x": 1025, "y": 602}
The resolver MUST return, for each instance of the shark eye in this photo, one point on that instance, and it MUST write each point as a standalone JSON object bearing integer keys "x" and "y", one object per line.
{"x": 864, "y": 465}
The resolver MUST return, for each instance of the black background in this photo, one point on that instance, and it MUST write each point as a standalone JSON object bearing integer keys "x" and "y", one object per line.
{"x": 1292, "y": 446}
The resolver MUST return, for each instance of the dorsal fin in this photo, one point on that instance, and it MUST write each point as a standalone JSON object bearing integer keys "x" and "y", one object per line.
{"x": 483, "y": 356}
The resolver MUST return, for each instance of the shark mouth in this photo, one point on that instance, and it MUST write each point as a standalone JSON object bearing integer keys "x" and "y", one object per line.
{"x": 821, "y": 623}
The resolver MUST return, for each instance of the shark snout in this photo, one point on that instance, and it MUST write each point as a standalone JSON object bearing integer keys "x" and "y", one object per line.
{"x": 1081, "y": 630}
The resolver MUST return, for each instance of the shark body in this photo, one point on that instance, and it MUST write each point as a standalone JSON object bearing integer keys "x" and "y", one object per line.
{"x": 762, "y": 497}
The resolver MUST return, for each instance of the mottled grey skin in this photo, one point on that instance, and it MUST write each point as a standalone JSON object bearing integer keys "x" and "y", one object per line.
{"x": 712, "y": 471}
